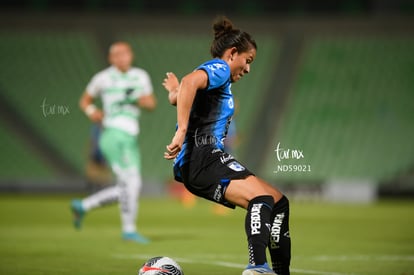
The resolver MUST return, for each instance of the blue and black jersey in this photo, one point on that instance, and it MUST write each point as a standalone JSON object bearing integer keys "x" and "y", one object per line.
{"x": 212, "y": 110}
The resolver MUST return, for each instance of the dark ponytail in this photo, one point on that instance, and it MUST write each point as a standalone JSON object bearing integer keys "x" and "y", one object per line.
{"x": 226, "y": 37}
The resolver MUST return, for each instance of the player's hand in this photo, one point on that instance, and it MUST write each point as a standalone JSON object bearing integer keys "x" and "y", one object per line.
{"x": 171, "y": 82}
{"x": 175, "y": 146}
{"x": 96, "y": 116}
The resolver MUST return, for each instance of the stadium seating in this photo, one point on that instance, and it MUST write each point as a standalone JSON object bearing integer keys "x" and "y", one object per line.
{"x": 42, "y": 77}
{"x": 18, "y": 161}
{"x": 351, "y": 110}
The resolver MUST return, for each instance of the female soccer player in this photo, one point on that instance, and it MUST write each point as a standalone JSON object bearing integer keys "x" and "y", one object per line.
{"x": 204, "y": 110}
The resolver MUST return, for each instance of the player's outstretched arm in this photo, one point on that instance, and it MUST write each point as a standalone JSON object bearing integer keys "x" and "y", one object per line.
{"x": 86, "y": 105}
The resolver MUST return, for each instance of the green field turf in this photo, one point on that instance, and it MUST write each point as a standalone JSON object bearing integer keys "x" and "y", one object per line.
{"x": 36, "y": 237}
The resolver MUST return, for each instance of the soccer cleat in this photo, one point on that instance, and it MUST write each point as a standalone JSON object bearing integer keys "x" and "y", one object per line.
{"x": 135, "y": 237}
{"x": 263, "y": 269}
{"x": 78, "y": 213}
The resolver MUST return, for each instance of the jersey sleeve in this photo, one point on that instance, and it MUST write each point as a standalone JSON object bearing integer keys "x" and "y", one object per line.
{"x": 94, "y": 86}
{"x": 218, "y": 73}
{"x": 146, "y": 85}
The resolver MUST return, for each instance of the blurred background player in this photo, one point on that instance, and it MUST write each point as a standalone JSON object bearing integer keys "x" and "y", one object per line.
{"x": 205, "y": 107}
{"x": 123, "y": 90}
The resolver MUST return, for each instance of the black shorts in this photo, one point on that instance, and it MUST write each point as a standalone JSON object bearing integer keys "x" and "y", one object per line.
{"x": 209, "y": 172}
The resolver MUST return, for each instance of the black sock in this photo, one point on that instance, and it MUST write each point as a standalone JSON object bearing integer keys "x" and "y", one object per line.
{"x": 258, "y": 228}
{"x": 279, "y": 244}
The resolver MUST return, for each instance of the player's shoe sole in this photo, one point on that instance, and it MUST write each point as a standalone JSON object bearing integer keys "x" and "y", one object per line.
{"x": 78, "y": 213}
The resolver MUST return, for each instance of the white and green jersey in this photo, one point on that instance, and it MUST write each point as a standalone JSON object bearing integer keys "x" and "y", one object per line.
{"x": 119, "y": 92}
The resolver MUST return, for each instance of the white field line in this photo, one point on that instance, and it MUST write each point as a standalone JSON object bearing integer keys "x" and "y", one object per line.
{"x": 367, "y": 258}
{"x": 224, "y": 264}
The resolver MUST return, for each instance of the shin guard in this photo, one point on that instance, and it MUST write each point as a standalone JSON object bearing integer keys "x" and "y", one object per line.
{"x": 279, "y": 242}
{"x": 258, "y": 228}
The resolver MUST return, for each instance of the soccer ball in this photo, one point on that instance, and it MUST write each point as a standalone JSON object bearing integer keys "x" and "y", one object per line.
{"x": 160, "y": 266}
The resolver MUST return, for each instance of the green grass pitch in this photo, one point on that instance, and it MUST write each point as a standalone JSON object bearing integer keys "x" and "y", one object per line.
{"x": 37, "y": 237}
